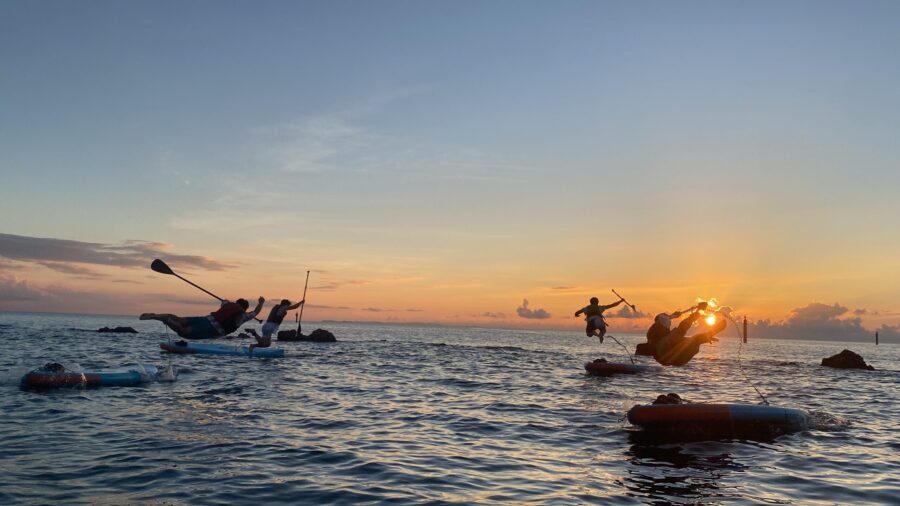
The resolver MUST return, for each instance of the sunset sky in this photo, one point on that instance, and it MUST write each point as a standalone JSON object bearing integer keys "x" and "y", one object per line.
{"x": 446, "y": 161}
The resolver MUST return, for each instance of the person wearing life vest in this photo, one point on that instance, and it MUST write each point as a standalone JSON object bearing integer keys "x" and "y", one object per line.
{"x": 671, "y": 347}
{"x": 276, "y": 316}
{"x": 596, "y": 325}
{"x": 225, "y": 320}
{"x": 662, "y": 325}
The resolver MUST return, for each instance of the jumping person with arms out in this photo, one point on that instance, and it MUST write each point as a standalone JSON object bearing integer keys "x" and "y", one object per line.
{"x": 596, "y": 325}
{"x": 228, "y": 318}
{"x": 671, "y": 347}
{"x": 276, "y": 316}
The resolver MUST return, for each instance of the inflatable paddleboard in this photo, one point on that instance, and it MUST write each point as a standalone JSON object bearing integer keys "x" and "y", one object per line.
{"x": 56, "y": 376}
{"x": 609, "y": 368}
{"x": 220, "y": 349}
{"x": 730, "y": 420}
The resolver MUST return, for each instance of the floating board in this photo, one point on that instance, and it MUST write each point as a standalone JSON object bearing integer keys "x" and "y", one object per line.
{"x": 730, "y": 420}
{"x": 610, "y": 368}
{"x": 220, "y": 349}
{"x": 59, "y": 378}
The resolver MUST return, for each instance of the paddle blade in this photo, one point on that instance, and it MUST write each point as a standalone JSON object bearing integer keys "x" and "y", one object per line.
{"x": 160, "y": 267}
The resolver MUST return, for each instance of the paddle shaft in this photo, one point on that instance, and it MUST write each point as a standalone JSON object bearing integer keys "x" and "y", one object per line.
{"x": 198, "y": 287}
{"x": 625, "y": 301}
{"x": 300, "y": 318}
{"x": 162, "y": 268}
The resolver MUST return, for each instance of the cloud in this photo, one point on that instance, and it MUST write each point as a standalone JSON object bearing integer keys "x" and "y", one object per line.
{"x": 73, "y": 269}
{"x": 532, "y": 314}
{"x": 331, "y": 286}
{"x": 488, "y": 314}
{"x": 891, "y": 332}
{"x": 14, "y": 289}
{"x": 322, "y": 306}
{"x": 70, "y": 257}
{"x": 814, "y": 321}
{"x": 626, "y": 312}
{"x": 563, "y": 288}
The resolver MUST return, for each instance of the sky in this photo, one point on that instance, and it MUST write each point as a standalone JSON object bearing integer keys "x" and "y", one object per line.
{"x": 477, "y": 163}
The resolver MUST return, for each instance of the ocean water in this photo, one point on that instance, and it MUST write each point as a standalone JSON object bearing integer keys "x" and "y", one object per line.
{"x": 430, "y": 415}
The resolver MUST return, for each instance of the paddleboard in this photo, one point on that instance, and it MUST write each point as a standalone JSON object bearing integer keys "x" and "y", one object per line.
{"x": 58, "y": 377}
{"x": 219, "y": 349}
{"x": 735, "y": 420}
{"x": 610, "y": 368}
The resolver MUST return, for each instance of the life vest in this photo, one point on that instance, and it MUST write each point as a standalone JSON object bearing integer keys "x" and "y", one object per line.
{"x": 276, "y": 316}
{"x": 592, "y": 310}
{"x": 229, "y": 316}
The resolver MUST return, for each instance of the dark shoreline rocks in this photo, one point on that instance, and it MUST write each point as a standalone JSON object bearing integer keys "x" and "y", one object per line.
{"x": 316, "y": 336}
{"x": 847, "y": 360}
{"x": 118, "y": 330}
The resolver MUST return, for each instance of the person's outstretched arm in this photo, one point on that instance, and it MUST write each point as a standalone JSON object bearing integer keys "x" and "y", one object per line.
{"x": 604, "y": 308}
{"x": 295, "y": 306}
{"x": 578, "y": 313}
{"x": 258, "y": 308}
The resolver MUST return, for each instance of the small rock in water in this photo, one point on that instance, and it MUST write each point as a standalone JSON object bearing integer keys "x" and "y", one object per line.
{"x": 846, "y": 360}
{"x": 316, "y": 336}
{"x": 118, "y": 330}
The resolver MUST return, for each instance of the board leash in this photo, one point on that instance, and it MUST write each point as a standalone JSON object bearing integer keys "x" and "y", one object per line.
{"x": 630, "y": 355}
{"x": 740, "y": 364}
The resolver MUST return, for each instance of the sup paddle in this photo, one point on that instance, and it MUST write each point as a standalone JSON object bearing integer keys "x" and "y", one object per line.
{"x": 300, "y": 318}
{"x": 625, "y": 301}
{"x": 163, "y": 268}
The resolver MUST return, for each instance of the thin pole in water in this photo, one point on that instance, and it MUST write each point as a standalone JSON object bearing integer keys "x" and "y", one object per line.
{"x": 876, "y": 338}
{"x": 745, "y": 329}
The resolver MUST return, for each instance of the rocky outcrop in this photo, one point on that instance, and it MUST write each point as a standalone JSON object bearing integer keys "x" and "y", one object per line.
{"x": 846, "y": 360}
{"x": 316, "y": 336}
{"x": 118, "y": 330}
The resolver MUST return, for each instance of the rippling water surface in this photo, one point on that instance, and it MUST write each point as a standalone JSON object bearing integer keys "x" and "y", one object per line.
{"x": 395, "y": 414}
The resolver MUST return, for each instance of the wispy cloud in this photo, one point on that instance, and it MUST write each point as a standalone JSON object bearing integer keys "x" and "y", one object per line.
{"x": 536, "y": 314}
{"x": 70, "y": 257}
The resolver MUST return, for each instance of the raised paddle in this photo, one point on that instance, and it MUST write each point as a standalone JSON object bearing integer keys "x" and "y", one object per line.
{"x": 625, "y": 301}
{"x": 162, "y": 268}
{"x": 300, "y": 318}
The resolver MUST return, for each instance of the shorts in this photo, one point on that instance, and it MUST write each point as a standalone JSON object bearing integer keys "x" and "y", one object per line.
{"x": 268, "y": 329}
{"x": 595, "y": 323}
{"x": 201, "y": 328}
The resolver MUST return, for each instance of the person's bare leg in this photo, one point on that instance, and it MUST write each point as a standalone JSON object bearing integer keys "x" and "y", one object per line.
{"x": 176, "y": 323}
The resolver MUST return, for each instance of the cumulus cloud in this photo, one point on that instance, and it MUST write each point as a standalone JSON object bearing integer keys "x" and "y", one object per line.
{"x": 626, "y": 312}
{"x": 889, "y": 332}
{"x": 815, "y": 321}
{"x": 71, "y": 257}
{"x": 14, "y": 289}
{"x": 534, "y": 314}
